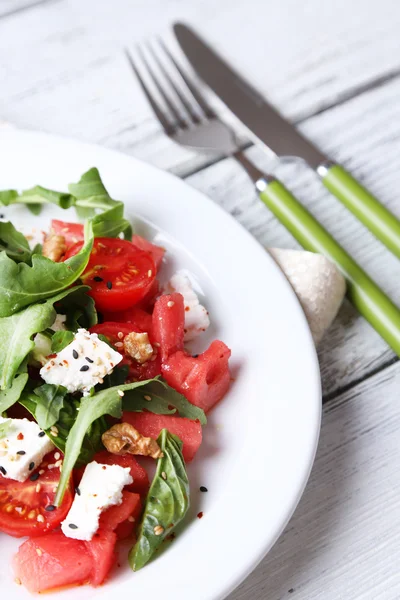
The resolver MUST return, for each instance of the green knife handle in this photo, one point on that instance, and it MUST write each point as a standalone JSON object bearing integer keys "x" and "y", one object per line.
{"x": 379, "y": 220}
{"x": 362, "y": 291}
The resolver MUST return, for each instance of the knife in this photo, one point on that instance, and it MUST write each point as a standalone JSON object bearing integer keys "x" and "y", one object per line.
{"x": 264, "y": 122}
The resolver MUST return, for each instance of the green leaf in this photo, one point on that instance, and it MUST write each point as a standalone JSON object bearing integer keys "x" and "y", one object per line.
{"x": 167, "y": 501}
{"x": 105, "y": 402}
{"x": 35, "y": 209}
{"x": 79, "y": 310}
{"x": 17, "y": 330}
{"x": 49, "y": 404}
{"x": 116, "y": 378}
{"x": 60, "y": 340}
{"x": 13, "y": 394}
{"x": 8, "y": 197}
{"x": 4, "y": 427}
{"x": 163, "y": 397}
{"x": 22, "y": 285}
{"x": 14, "y": 243}
{"x": 67, "y": 417}
{"x": 40, "y": 195}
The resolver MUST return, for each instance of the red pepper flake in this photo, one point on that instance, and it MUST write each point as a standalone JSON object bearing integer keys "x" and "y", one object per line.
{"x": 52, "y": 355}
{"x": 20, "y": 436}
{"x": 200, "y": 515}
{"x": 187, "y": 308}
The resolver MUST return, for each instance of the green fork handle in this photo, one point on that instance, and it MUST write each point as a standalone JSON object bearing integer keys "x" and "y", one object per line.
{"x": 362, "y": 291}
{"x": 378, "y": 219}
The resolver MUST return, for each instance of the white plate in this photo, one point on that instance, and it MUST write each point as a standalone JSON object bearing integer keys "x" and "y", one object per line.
{"x": 260, "y": 442}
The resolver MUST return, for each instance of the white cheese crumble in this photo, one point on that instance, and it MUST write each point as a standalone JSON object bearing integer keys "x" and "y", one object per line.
{"x": 22, "y": 448}
{"x": 82, "y": 364}
{"x": 100, "y": 487}
{"x": 196, "y": 316}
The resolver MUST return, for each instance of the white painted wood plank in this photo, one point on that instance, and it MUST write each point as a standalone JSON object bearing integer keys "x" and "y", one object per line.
{"x": 342, "y": 543}
{"x": 70, "y": 77}
{"x": 368, "y": 147}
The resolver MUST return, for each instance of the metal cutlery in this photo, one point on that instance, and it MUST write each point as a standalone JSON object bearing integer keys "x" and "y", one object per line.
{"x": 264, "y": 122}
{"x": 188, "y": 120}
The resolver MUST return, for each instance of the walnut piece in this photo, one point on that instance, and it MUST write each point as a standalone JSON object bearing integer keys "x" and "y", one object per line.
{"x": 123, "y": 438}
{"x": 54, "y": 246}
{"x": 138, "y": 346}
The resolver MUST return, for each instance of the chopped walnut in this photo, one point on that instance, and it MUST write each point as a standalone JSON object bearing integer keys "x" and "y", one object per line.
{"x": 54, "y": 246}
{"x": 123, "y": 438}
{"x": 138, "y": 346}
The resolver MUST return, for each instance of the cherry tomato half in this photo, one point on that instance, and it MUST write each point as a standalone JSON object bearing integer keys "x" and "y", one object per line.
{"x": 23, "y": 505}
{"x": 119, "y": 273}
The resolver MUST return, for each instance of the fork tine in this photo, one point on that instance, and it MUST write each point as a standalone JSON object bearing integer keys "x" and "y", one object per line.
{"x": 165, "y": 122}
{"x": 178, "y": 93}
{"x": 172, "y": 108}
{"x": 193, "y": 90}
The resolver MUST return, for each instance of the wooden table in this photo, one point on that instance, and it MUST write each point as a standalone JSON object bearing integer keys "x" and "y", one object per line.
{"x": 333, "y": 68}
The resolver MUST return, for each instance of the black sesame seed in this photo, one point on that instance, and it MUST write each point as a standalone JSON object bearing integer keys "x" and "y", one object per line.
{"x": 21, "y": 452}
{"x": 97, "y": 278}
{"x": 109, "y": 285}
{"x": 31, "y": 466}
{"x": 77, "y": 491}
{"x": 50, "y": 508}
{"x": 34, "y": 477}
{"x": 88, "y": 359}
{"x": 203, "y": 489}
{"x": 75, "y": 354}
{"x": 42, "y": 433}
{"x": 2, "y": 470}
{"x": 73, "y": 526}
{"x": 84, "y": 368}
{"x": 195, "y": 355}
{"x": 1, "y": 216}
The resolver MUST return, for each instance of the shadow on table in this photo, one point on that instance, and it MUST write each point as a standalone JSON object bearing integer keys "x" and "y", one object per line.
{"x": 309, "y": 544}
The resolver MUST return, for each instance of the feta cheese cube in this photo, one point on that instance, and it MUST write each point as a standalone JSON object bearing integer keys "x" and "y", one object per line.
{"x": 82, "y": 364}
{"x": 22, "y": 448}
{"x": 196, "y": 316}
{"x": 100, "y": 487}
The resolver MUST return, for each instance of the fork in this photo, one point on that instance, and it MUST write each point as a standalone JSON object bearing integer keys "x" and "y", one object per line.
{"x": 188, "y": 120}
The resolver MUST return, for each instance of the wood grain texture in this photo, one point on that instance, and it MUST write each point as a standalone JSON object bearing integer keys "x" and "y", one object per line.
{"x": 342, "y": 542}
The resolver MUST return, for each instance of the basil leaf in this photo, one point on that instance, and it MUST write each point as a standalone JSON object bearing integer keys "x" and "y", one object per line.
{"x": 164, "y": 401}
{"x": 13, "y": 394}
{"x": 16, "y": 334}
{"x": 167, "y": 501}
{"x": 105, "y": 402}
{"x": 49, "y": 404}
{"x": 14, "y": 243}
{"x": 60, "y": 340}
{"x": 22, "y": 285}
{"x": 4, "y": 427}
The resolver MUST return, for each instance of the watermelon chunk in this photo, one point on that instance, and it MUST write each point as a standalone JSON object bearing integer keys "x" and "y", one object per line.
{"x": 169, "y": 323}
{"x": 150, "y": 425}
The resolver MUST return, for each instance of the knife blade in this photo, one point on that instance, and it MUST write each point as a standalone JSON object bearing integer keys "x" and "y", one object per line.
{"x": 262, "y": 119}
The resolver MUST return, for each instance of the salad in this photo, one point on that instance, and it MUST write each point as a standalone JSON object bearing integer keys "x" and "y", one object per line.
{"x": 96, "y": 383}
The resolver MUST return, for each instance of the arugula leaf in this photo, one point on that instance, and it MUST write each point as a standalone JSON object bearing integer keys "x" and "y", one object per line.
{"x": 14, "y": 243}
{"x": 13, "y": 394}
{"x": 22, "y": 285}
{"x": 105, "y": 402}
{"x": 4, "y": 427}
{"x": 116, "y": 378}
{"x": 61, "y": 339}
{"x": 167, "y": 501}
{"x": 67, "y": 417}
{"x": 17, "y": 330}
{"x": 79, "y": 309}
{"x": 164, "y": 401}
{"x": 35, "y": 197}
{"x": 50, "y": 400}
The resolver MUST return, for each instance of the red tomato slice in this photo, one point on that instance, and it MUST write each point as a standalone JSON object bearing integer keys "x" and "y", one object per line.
{"x": 72, "y": 232}
{"x": 169, "y": 323}
{"x": 203, "y": 379}
{"x": 52, "y": 561}
{"x": 119, "y": 274}
{"x": 113, "y": 332}
{"x": 156, "y": 251}
{"x": 22, "y": 504}
{"x": 150, "y": 425}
